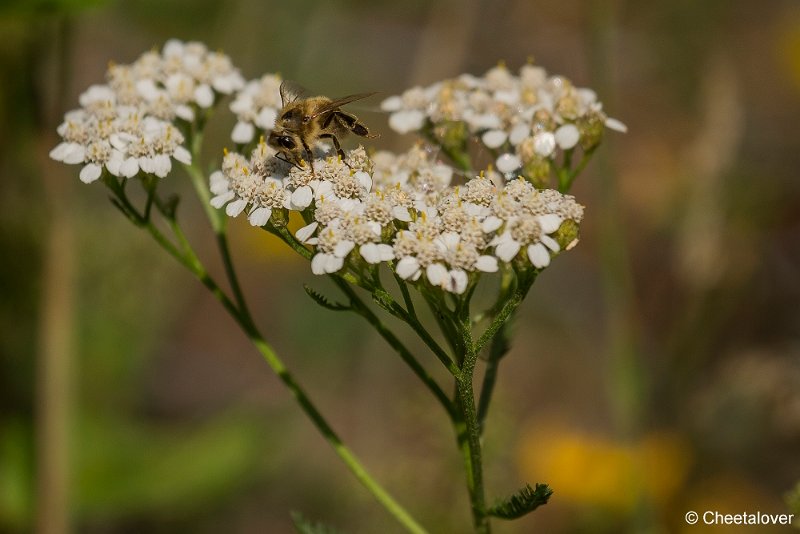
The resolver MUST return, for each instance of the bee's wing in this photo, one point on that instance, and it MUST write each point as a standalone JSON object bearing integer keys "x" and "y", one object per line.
{"x": 291, "y": 91}
{"x": 339, "y": 102}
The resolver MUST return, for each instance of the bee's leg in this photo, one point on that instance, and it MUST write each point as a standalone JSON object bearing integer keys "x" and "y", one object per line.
{"x": 309, "y": 156}
{"x": 337, "y": 146}
{"x": 351, "y": 123}
{"x": 283, "y": 158}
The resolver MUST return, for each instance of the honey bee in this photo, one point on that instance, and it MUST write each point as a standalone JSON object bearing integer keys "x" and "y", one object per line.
{"x": 304, "y": 120}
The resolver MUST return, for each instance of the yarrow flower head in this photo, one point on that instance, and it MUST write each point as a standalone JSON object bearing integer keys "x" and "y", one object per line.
{"x": 123, "y": 139}
{"x": 126, "y": 126}
{"x": 178, "y": 81}
{"x": 526, "y": 119}
{"x": 400, "y": 210}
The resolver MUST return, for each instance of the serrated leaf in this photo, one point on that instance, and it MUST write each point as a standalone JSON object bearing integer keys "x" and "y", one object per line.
{"x": 323, "y": 301}
{"x": 522, "y": 502}
{"x": 305, "y": 526}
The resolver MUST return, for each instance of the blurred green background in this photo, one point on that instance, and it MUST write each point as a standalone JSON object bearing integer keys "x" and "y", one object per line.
{"x": 655, "y": 369}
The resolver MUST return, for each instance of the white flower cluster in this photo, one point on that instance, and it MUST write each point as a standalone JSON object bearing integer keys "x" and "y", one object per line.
{"x": 174, "y": 83}
{"x": 398, "y": 209}
{"x": 524, "y": 119}
{"x": 121, "y": 138}
{"x": 256, "y": 107}
{"x": 125, "y": 125}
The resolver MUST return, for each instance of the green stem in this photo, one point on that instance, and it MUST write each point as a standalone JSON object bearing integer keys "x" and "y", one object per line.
{"x": 466, "y": 402}
{"x": 360, "y": 307}
{"x": 566, "y": 176}
{"x": 498, "y": 348}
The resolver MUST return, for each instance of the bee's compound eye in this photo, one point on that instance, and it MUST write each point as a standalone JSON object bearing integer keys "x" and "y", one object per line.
{"x": 286, "y": 142}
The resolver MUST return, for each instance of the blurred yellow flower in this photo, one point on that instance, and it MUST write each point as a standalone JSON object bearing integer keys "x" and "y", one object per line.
{"x": 594, "y": 470}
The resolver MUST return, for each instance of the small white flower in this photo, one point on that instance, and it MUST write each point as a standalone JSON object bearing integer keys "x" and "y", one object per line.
{"x": 406, "y": 121}
{"x": 374, "y": 253}
{"x": 90, "y": 173}
{"x": 408, "y": 268}
{"x": 259, "y": 216}
{"x": 508, "y": 163}
{"x": 305, "y": 233}
{"x": 614, "y": 124}
{"x": 544, "y": 143}
{"x": 567, "y": 136}
{"x": 519, "y": 133}
{"x": 243, "y": 132}
{"x": 494, "y": 138}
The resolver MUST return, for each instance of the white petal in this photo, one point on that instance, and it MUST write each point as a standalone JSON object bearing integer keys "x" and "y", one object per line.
{"x": 185, "y": 112}
{"x": 614, "y": 124}
{"x": 538, "y": 255}
{"x": 401, "y": 214}
{"x": 333, "y": 264}
{"x": 74, "y": 154}
{"x": 224, "y": 84}
{"x": 318, "y": 263}
{"x": 114, "y": 163}
{"x": 118, "y": 141}
{"x": 222, "y": 199}
{"x": 183, "y": 155}
{"x": 204, "y": 96}
{"x": 487, "y": 264}
{"x": 458, "y": 281}
{"x": 406, "y": 121}
{"x": 370, "y": 253}
{"x": 567, "y": 136}
{"x": 243, "y": 132}
{"x": 173, "y": 47}
{"x": 266, "y": 119}
{"x": 260, "y": 216}
{"x": 90, "y": 173}
{"x": 407, "y": 267}
{"x": 494, "y": 138}
{"x": 343, "y": 248}
{"x": 59, "y": 151}
{"x": 364, "y": 179}
{"x": 508, "y": 163}
{"x": 323, "y": 189}
{"x": 218, "y": 184}
{"x": 302, "y": 197}
{"x": 129, "y": 168}
{"x": 550, "y": 243}
{"x": 147, "y": 89}
{"x": 304, "y": 233}
{"x": 393, "y": 103}
{"x": 385, "y": 252}
{"x": 550, "y": 222}
{"x": 162, "y": 165}
{"x": 147, "y": 164}
{"x": 544, "y": 143}
{"x": 507, "y": 96}
{"x": 518, "y": 134}
{"x": 507, "y": 250}
{"x": 491, "y": 223}
{"x": 437, "y": 274}
{"x": 450, "y": 239}
{"x": 236, "y": 207}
